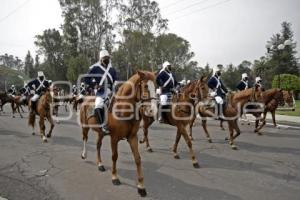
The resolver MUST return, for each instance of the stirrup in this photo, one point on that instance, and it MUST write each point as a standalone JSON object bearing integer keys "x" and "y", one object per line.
{"x": 105, "y": 130}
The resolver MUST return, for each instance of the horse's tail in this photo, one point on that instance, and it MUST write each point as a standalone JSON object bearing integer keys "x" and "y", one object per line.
{"x": 31, "y": 120}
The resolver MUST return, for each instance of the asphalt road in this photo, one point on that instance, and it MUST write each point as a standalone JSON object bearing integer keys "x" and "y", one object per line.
{"x": 264, "y": 167}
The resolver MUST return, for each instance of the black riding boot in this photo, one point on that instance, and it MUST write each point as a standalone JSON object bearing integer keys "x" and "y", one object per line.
{"x": 33, "y": 107}
{"x": 100, "y": 117}
{"x": 163, "y": 112}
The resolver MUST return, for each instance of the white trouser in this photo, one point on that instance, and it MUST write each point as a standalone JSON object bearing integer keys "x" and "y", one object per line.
{"x": 219, "y": 100}
{"x": 99, "y": 102}
{"x": 23, "y": 98}
{"x": 35, "y": 97}
{"x": 163, "y": 99}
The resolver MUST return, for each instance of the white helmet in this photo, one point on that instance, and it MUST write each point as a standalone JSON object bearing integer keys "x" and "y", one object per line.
{"x": 188, "y": 81}
{"x": 257, "y": 79}
{"x": 50, "y": 81}
{"x": 40, "y": 73}
{"x": 216, "y": 69}
{"x": 244, "y": 75}
{"x": 103, "y": 53}
{"x": 166, "y": 64}
{"x": 74, "y": 86}
{"x": 12, "y": 86}
{"x": 82, "y": 84}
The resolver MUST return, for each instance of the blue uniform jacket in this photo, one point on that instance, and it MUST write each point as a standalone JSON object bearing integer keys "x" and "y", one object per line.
{"x": 162, "y": 78}
{"x": 97, "y": 70}
{"x": 25, "y": 91}
{"x": 38, "y": 87}
{"x": 242, "y": 86}
{"x": 212, "y": 84}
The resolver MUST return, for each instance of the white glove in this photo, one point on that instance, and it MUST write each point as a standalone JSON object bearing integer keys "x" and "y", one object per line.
{"x": 158, "y": 91}
{"x": 213, "y": 94}
{"x": 219, "y": 100}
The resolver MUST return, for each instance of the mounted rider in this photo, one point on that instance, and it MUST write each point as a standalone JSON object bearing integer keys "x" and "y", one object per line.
{"x": 103, "y": 82}
{"x": 243, "y": 84}
{"x": 25, "y": 92}
{"x": 38, "y": 85}
{"x": 219, "y": 90}
{"x": 167, "y": 85}
{"x": 258, "y": 82}
{"x": 74, "y": 91}
{"x": 82, "y": 92}
{"x": 12, "y": 91}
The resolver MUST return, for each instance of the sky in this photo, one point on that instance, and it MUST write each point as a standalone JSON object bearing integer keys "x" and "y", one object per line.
{"x": 219, "y": 31}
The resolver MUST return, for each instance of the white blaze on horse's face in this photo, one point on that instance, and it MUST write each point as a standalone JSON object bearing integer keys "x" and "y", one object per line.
{"x": 151, "y": 89}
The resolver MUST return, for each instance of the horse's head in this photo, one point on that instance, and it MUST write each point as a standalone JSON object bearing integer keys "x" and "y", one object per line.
{"x": 146, "y": 91}
{"x": 279, "y": 97}
{"x": 288, "y": 98}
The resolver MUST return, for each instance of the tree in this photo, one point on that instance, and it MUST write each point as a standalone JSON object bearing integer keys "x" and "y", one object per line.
{"x": 282, "y": 51}
{"x": 37, "y": 63}
{"x": 77, "y": 66}
{"x": 142, "y": 16}
{"x": 286, "y": 82}
{"x": 50, "y": 45}
{"x": 29, "y": 69}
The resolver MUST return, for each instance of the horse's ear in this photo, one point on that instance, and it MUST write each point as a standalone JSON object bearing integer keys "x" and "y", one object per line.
{"x": 141, "y": 74}
{"x": 203, "y": 79}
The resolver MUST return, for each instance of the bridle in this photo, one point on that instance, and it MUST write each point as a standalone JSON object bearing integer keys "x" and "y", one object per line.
{"x": 141, "y": 97}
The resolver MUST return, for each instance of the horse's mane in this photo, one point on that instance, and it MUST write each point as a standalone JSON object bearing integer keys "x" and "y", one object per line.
{"x": 268, "y": 95}
{"x": 187, "y": 86}
{"x": 126, "y": 88}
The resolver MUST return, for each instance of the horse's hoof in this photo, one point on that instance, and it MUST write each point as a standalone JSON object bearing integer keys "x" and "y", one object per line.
{"x": 259, "y": 133}
{"x": 196, "y": 165}
{"x": 226, "y": 139}
{"x": 13, "y": 116}
{"x": 142, "y": 192}
{"x": 234, "y": 147}
{"x": 48, "y": 136}
{"x": 249, "y": 123}
{"x": 149, "y": 149}
{"x": 45, "y": 140}
{"x": 101, "y": 168}
{"x": 176, "y": 156}
{"x": 33, "y": 133}
{"x": 191, "y": 138}
{"x": 209, "y": 140}
{"x": 141, "y": 141}
{"x": 116, "y": 182}
{"x": 222, "y": 129}
{"x": 83, "y": 156}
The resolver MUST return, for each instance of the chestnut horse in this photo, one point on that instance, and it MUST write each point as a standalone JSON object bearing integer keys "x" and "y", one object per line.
{"x": 181, "y": 116}
{"x": 122, "y": 122}
{"x": 232, "y": 111}
{"x": 272, "y": 98}
{"x": 43, "y": 109}
{"x": 14, "y": 101}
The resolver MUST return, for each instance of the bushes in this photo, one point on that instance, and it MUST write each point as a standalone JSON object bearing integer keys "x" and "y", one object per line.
{"x": 286, "y": 82}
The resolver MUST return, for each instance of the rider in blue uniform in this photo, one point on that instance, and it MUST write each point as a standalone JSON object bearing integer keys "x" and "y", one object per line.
{"x": 243, "y": 84}
{"x": 25, "y": 92}
{"x": 167, "y": 84}
{"x": 103, "y": 81}
{"x": 218, "y": 89}
{"x": 39, "y": 85}
{"x": 12, "y": 91}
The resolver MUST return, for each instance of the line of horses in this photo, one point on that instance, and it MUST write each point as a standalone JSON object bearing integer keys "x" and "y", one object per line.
{"x": 138, "y": 94}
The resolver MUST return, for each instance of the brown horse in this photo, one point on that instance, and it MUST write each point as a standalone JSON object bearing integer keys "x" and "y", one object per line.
{"x": 14, "y": 101}
{"x": 43, "y": 109}
{"x": 122, "y": 122}
{"x": 272, "y": 98}
{"x": 232, "y": 111}
{"x": 182, "y": 107}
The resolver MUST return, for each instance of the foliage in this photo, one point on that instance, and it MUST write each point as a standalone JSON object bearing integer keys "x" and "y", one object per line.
{"x": 10, "y": 77}
{"x": 287, "y": 82}
{"x": 77, "y": 66}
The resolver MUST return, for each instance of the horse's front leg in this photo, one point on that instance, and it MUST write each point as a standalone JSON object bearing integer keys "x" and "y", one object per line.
{"x": 183, "y": 132}
{"x": 178, "y": 136}
{"x": 51, "y": 125}
{"x": 204, "y": 125}
{"x": 114, "y": 149}
{"x": 133, "y": 141}
{"x": 18, "y": 109}
{"x": 42, "y": 128}
{"x": 99, "y": 144}
{"x": 147, "y": 121}
{"x": 257, "y": 130}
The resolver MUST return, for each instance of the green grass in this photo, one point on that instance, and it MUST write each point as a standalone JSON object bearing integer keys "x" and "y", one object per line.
{"x": 291, "y": 113}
